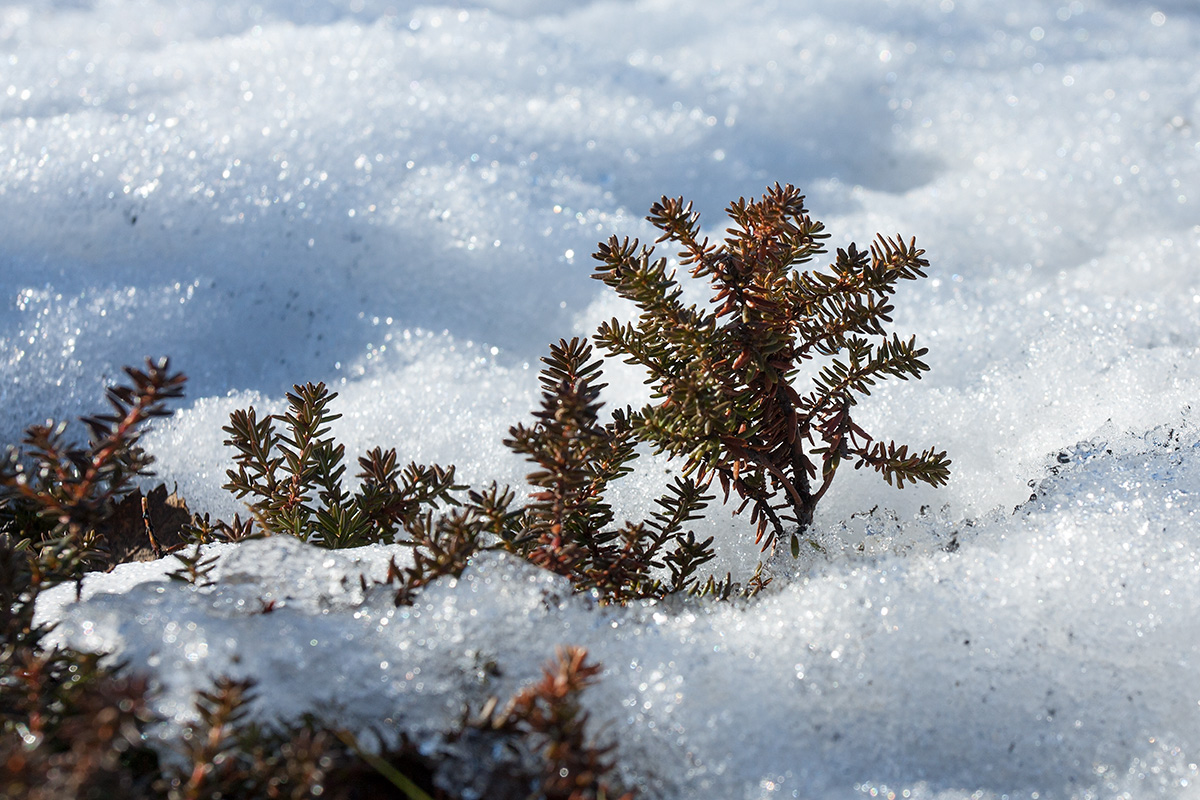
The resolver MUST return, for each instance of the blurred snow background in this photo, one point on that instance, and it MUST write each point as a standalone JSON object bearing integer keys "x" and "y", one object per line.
{"x": 400, "y": 199}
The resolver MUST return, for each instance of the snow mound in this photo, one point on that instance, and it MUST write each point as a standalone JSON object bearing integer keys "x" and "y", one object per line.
{"x": 1041, "y": 651}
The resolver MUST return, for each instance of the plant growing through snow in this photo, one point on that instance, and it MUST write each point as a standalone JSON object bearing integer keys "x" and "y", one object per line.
{"x": 724, "y": 378}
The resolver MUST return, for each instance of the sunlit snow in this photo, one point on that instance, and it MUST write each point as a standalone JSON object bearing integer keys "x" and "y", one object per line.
{"x": 400, "y": 199}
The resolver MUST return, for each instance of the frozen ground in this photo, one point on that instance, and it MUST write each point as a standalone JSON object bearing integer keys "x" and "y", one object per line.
{"x": 399, "y": 199}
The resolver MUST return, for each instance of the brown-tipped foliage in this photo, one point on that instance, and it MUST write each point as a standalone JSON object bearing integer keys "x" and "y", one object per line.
{"x": 723, "y": 376}
{"x": 567, "y": 525}
{"x": 548, "y": 716}
{"x": 86, "y": 743}
{"x": 535, "y": 748}
{"x": 215, "y": 760}
{"x": 294, "y": 477}
{"x": 68, "y": 727}
{"x": 226, "y": 756}
{"x": 441, "y": 546}
{"x": 54, "y": 493}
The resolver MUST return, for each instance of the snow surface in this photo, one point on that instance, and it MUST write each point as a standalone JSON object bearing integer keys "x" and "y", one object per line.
{"x": 399, "y": 199}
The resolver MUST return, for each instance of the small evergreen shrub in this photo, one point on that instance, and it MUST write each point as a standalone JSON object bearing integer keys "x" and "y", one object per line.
{"x": 547, "y": 717}
{"x": 725, "y": 401}
{"x": 73, "y": 729}
{"x": 567, "y": 525}
{"x": 294, "y": 473}
{"x": 723, "y": 377}
{"x": 294, "y": 477}
{"x": 55, "y": 496}
{"x": 69, "y": 727}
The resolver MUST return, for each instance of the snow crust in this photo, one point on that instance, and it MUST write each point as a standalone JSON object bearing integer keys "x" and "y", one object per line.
{"x": 399, "y": 199}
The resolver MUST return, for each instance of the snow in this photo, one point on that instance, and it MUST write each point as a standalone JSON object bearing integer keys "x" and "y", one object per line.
{"x": 399, "y": 199}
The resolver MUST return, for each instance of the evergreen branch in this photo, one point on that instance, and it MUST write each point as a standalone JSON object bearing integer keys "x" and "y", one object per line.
{"x": 76, "y": 486}
{"x": 898, "y": 259}
{"x": 440, "y": 547}
{"x": 688, "y": 556}
{"x": 894, "y": 463}
{"x": 866, "y": 364}
{"x": 682, "y": 503}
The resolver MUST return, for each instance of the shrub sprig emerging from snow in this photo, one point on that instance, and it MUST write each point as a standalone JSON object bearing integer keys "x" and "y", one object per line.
{"x": 724, "y": 402}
